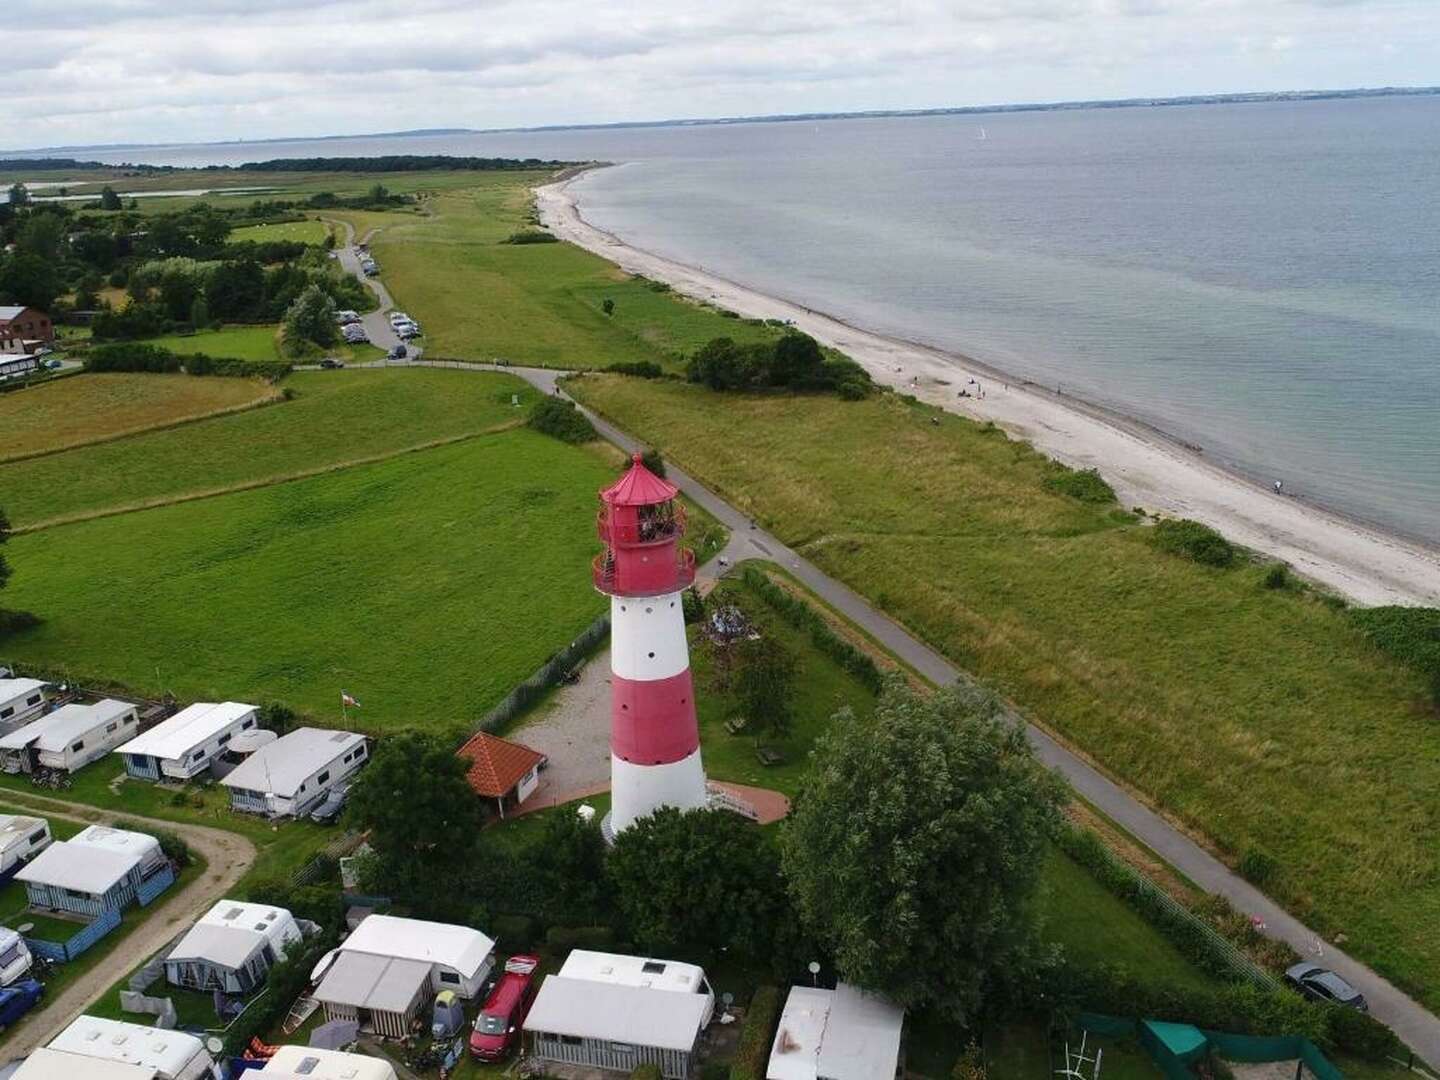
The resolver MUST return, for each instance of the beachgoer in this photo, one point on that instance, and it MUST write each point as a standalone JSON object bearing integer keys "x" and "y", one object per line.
{"x": 1278, "y": 485}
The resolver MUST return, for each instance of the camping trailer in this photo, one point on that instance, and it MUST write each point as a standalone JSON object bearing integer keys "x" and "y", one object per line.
{"x": 69, "y": 738}
{"x": 21, "y": 700}
{"x": 97, "y": 869}
{"x": 170, "y": 1055}
{"x": 184, "y": 746}
{"x": 232, "y": 947}
{"x": 290, "y": 776}
{"x": 21, "y": 838}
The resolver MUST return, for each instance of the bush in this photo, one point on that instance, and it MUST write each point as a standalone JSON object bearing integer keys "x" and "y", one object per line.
{"x": 646, "y": 1071}
{"x": 1362, "y": 1035}
{"x": 137, "y": 356}
{"x": 642, "y": 369}
{"x": 1410, "y": 635}
{"x": 693, "y": 605}
{"x": 560, "y": 418}
{"x": 564, "y": 938}
{"x": 531, "y": 236}
{"x": 174, "y": 848}
{"x": 1257, "y": 867}
{"x": 517, "y": 932}
{"x": 1195, "y": 541}
{"x": 752, "y": 1055}
{"x": 1087, "y": 485}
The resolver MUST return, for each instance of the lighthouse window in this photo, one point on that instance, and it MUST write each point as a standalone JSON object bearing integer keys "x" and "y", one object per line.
{"x": 652, "y": 656}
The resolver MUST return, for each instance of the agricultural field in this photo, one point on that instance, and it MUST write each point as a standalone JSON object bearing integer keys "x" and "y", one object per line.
{"x": 540, "y": 304}
{"x": 238, "y": 342}
{"x": 426, "y": 585}
{"x": 330, "y": 418}
{"x": 301, "y": 232}
{"x": 84, "y": 409}
{"x": 1259, "y": 717}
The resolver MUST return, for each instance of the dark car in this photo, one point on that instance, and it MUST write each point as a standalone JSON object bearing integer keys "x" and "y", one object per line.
{"x": 399, "y": 352}
{"x": 330, "y": 807}
{"x": 17, "y": 1000}
{"x": 331, "y": 362}
{"x": 1322, "y": 984}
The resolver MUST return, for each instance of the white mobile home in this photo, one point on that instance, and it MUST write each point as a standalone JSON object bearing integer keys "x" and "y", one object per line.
{"x": 21, "y": 700}
{"x": 232, "y": 947}
{"x": 170, "y": 1055}
{"x": 96, "y": 869}
{"x": 184, "y": 746}
{"x": 840, "y": 1034}
{"x": 21, "y": 839}
{"x": 608, "y": 1011}
{"x": 289, "y": 776}
{"x": 312, "y": 1063}
{"x": 70, "y": 737}
{"x": 47, "y": 1064}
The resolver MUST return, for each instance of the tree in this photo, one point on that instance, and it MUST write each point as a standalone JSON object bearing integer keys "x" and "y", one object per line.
{"x": 236, "y": 290}
{"x": 108, "y": 199}
{"x": 719, "y": 364}
{"x": 568, "y": 866}
{"x": 651, "y": 459}
{"x": 422, "y": 816}
{"x": 311, "y": 317}
{"x": 41, "y": 235}
{"x": 199, "y": 313}
{"x": 29, "y": 281}
{"x": 915, "y": 846}
{"x": 796, "y": 360}
{"x": 765, "y": 684}
{"x": 703, "y": 878}
{"x": 19, "y": 194}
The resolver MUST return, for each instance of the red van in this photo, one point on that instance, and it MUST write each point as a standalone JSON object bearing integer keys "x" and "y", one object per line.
{"x": 497, "y": 1028}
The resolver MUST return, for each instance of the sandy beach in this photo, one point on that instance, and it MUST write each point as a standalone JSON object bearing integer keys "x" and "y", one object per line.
{"x": 1363, "y": 563}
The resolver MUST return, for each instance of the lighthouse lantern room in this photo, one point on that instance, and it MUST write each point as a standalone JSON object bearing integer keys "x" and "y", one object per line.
{"x": 654, "y": 740}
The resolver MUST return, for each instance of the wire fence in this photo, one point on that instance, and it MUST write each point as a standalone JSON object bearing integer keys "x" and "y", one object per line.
{"x": 549, "y": 675}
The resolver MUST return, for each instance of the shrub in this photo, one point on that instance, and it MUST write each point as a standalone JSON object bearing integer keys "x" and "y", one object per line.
{"x": 174, "y": 848}
{"x": 516, "y": 931}
{"x": 802, "y": 616}
{"x": 1277, "y": 577}
{"x": 645, "y": 1071}
{"x": 1087, "y": 485}
{"x": 1410, "y": 635}
{"x": 1257, "y": 867}
{"x": 564, "y": 938}
{"x": 752, "y": 1055}
{"x": 1362, "y": 1035}
{"x": 693, "y": 605}
{"x": 607, "y": 306}
{"x": 560, "y": 418}
{"x": 531, "y": 236}
{"x": 642, "y": 369}
{"x": 652, "y": 460}
{"x": 1194, "y": 540}
{"x": 131, "y": 357}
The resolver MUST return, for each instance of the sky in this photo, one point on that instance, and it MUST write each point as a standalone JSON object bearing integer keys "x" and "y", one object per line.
{"x": 84, "y": 72}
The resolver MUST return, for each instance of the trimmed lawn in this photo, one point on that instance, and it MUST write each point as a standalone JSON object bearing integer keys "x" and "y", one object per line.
{"x": 426, "y": 585}
{"x": 302, "y": 232}
{"x": 333, "y": 417}
{"x": 88, "y": 408}
{"x": 235, "y": 342}
{"x": 1261, "y": 718}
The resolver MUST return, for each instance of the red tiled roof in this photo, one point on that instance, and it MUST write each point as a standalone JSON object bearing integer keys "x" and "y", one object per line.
{"x": 496, "y": 764}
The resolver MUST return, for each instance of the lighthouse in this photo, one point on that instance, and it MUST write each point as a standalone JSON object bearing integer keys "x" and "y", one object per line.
{"x": 654, "y": 740}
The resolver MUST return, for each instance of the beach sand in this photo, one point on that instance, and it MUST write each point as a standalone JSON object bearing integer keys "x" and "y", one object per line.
{"x": 1146, "y": 469}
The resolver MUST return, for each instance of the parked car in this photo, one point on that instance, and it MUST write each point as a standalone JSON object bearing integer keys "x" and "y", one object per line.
{"x": 497, "y": 1028}
{"x": 355, "y": 335}
{"x": 399, "y": 352}
{"x": 331, "y": 362}
{"x": 53, "y": 365}
{"x": 330, "y": 806}
{"x": 17, "y": 1000}
{"x": 15, "y": 958}
{"x": 1322, "y": 984}
{"x": 408, "y": 333}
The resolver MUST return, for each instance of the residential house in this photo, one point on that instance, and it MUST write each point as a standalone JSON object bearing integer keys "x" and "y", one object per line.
{"x": 21, "y": 700}
{"x": 311, "y": 1063}
{"x": 97, "y": 869}
{"x": 289, "y": 777}
{"x": 21, "y": 839}
{"x": 232, "y": 947}
{"x": 167, "y": 1055}
{"x": 507, "y": 772}
{"x": 614, "y": 1012}
{"x": 21, "y": 327}
{"x": 840, "y": 1034}
{"x": 184, "y": 746}
{"x": 70, "y": 737}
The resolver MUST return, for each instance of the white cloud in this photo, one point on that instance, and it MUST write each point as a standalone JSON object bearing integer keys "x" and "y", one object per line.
{"x": 97, "y": 71}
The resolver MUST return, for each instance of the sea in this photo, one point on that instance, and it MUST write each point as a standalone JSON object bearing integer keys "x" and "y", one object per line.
{"x": 1260, "y": 280}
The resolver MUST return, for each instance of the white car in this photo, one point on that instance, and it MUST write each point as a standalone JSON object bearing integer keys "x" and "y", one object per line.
{"x": 399, "y": 317}
{"x": 15, "y": 958}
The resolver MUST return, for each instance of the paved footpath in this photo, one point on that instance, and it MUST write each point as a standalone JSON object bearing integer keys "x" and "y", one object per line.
{"x": 377, "y": 322}
{"x": 1416, "y": 1026}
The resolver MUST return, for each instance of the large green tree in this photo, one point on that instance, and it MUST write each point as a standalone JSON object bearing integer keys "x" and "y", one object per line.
{"x": 28, "y": 280}
{"x": 765, "y": 683}
{"x": 311, "y": 318}
{"x": 915, "y": 846}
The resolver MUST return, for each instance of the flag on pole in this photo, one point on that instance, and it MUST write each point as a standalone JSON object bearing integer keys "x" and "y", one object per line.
{"x": 346, "y": 701}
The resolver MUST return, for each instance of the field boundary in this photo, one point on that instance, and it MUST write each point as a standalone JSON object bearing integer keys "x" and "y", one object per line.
{"x": 275, "y": 397}
{"x": 264, "y": 482}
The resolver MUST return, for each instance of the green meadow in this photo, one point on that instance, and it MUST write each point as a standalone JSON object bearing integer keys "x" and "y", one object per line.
{"x": 308, "y": 231}
{"x": 1259, "y": 717}
{"x": 238, "y": 342}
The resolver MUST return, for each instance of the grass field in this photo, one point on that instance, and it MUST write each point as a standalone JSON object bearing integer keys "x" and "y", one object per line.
{"x": 1260, "y": 717}
{"x": 304, "y": 232}
{"x": 535, "y": 303}
{"x": 334, "y": 417}
{"x": 87, "y": 408}
{"x": 237, "y": 342}
{"x": 426, "y": 585}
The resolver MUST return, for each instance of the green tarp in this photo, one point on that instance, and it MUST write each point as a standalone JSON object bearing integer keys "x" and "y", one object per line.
{"x": 1174, "y": 1047}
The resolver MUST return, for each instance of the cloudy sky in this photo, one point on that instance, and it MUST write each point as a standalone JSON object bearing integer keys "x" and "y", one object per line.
{"x": 101, "y": 71}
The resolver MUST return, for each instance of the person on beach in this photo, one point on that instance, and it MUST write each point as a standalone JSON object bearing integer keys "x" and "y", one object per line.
{"x": 1278, "y": 485}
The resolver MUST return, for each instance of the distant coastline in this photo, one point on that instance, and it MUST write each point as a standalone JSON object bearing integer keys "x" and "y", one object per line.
{"x": 1241, "y": 98}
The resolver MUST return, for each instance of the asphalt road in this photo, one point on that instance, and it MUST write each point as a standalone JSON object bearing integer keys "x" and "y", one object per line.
{"x": 377, "y": 322}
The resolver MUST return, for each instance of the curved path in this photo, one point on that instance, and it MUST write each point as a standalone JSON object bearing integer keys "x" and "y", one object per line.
{"x": 1417, "y": 1026}
{"x": 376, "y": 323}
{"x": 228, "y": 856}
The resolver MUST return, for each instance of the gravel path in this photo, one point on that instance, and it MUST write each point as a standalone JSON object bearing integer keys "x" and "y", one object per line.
{"x": 573, "y": 730}
{"x": 228, "y": 856}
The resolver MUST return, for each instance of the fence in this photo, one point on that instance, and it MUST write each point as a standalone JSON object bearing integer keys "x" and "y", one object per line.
{"x": 59, "y": 952}
{"x": 327, "y": 859}
{"x": 154, "y": 885}
{"x": 550, "y": 674}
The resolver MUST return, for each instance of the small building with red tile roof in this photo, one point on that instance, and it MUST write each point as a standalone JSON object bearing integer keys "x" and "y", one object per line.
{"x": 505, "y": 771}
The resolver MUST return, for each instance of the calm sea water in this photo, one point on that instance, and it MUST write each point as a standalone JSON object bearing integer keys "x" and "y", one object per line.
{"x": 1260, "y": 280}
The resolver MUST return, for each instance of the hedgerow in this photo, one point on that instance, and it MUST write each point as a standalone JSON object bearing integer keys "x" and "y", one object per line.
{"x": 802, "y": 616}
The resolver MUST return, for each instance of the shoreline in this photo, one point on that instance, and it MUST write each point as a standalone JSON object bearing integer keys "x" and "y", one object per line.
{"x": 1146, "y": 466}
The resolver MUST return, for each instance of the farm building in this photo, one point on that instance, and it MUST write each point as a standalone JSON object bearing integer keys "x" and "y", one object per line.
{"x": 289, "y": 776}
{"x": 231, "y": 947}
{"x": 98, "y": 868}
{"x": 504, "y": 771}
{"x": 183, "y": 746}
{"x": 310, "y": 1063}
{"x": 606, "y": 1011}
{"x": 69, "y": 738}
{"x": 840, "y": 1034}
{"x": 22, "y": 328}
{"x": 168, "y": 1055}
{"x": 389, "y": 968}
{"x": 21, "y": 839}
{"x": 21, "y": 700}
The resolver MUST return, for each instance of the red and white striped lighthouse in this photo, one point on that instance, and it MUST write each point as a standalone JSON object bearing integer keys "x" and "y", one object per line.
{"x": 654, "y": 740}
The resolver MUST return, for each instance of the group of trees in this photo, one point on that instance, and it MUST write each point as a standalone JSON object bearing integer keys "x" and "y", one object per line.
{"x": 794, "y": 361}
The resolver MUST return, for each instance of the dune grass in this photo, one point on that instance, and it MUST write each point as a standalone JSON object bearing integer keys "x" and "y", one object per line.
{"x": 332, "y": 418}
{"x": 308, "y": 231}
{"x": 426, "y": 585}
{"x": 1262, "y": 718}
{"x": 238, "y": 342}
{"x": 541, "y": 304}
{"x": 88, "y": 408}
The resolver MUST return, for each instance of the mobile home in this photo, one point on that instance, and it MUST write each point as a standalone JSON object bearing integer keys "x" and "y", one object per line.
{"x": 184, "y": 746}
{"x": 70, "y": 737}
{"x": 21, "y": 700}
{"x": 232, "y": 947}
{"x": 313, "y": 1063}
{"x": 169, "y": 1055}
{"x": 840, "y": 1034}
{"x": 98, "y": 868}
{"x": 21, "y": 839}
{"x": 289, "y": 777}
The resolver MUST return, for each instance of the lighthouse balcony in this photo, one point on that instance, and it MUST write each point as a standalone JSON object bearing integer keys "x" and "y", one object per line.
{"x": 650, "y": 526}
{"x": 631, "y": 577}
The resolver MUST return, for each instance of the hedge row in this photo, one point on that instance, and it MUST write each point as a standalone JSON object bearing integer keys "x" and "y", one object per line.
{"x": 137, "y": 356}
{"x": 548, "y": 675}
{"x": 752, "y": 1056}
{"x": 802, "y": 616}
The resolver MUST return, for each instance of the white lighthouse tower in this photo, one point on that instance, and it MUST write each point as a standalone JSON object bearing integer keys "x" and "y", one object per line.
{"x": 654, "y": 739}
